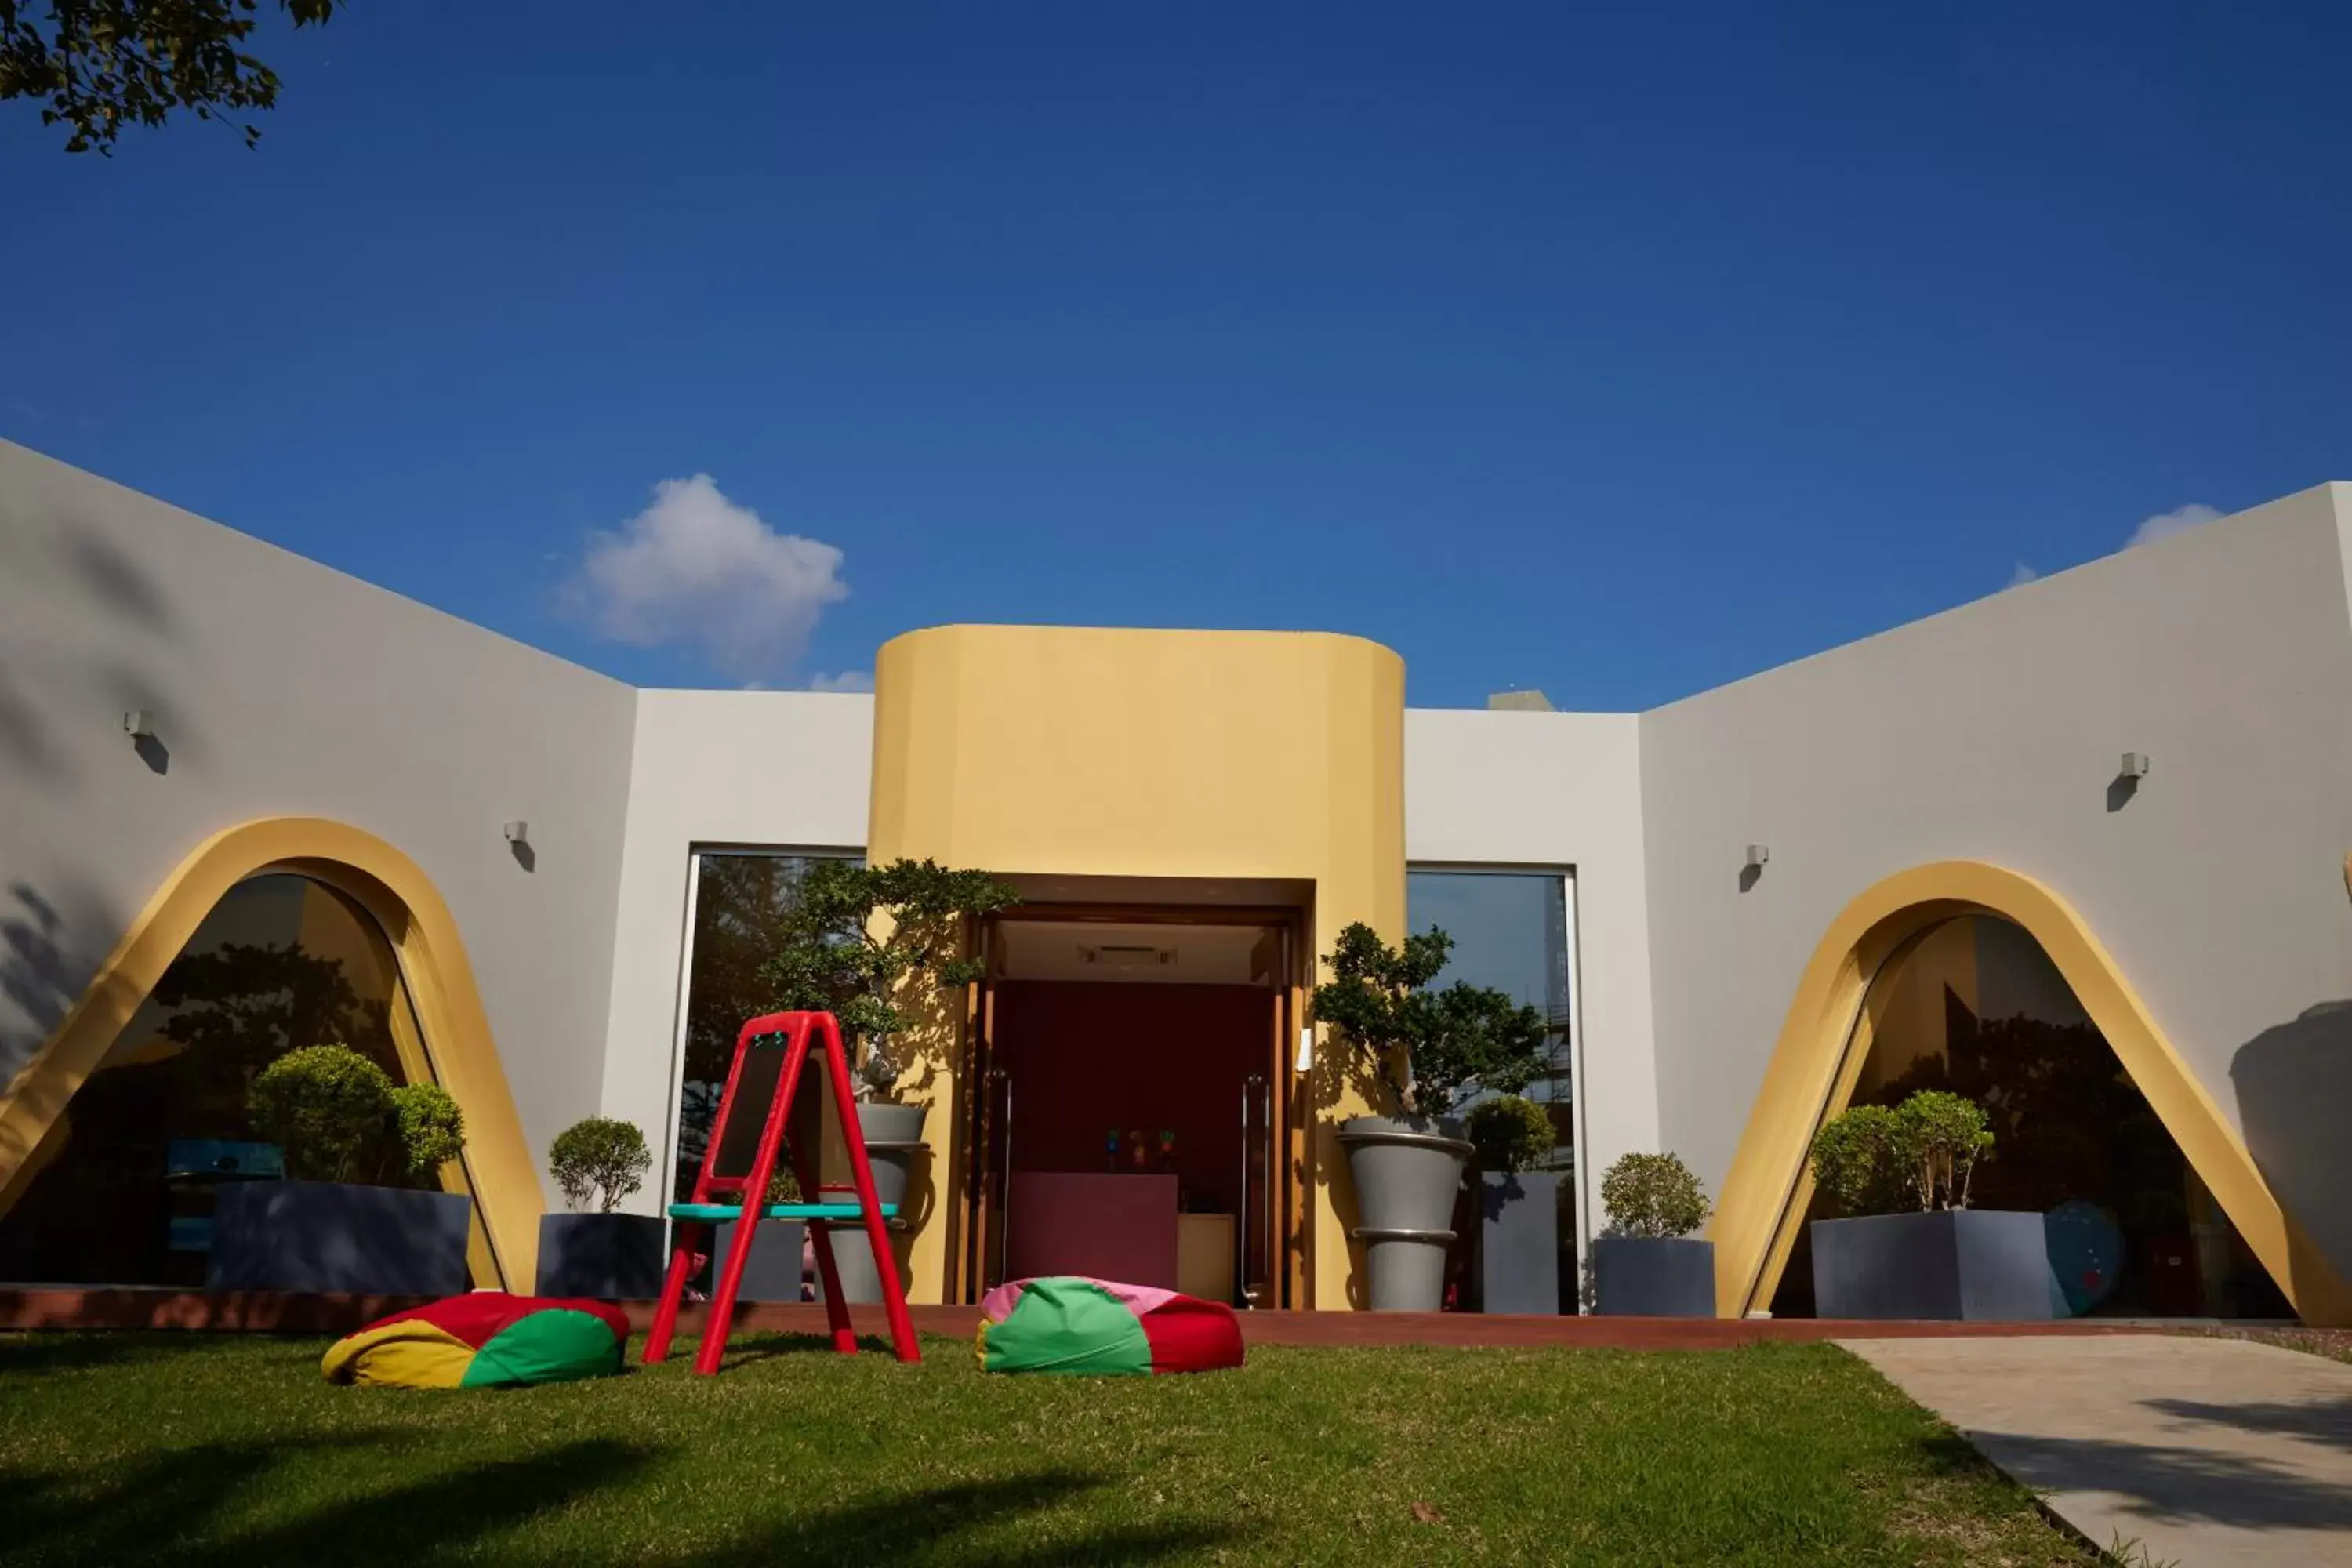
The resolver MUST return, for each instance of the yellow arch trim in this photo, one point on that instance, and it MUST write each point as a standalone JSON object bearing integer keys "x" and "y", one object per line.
{"x": 455, "y": 1050}
{"x": 1827, "y": 1033}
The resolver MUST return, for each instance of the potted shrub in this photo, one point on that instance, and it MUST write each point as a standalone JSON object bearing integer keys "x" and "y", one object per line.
{"x": 1422, "y": 1051}
{"x": 875, "y": 946}
{"x": 1910, "y": 1246}
{"x": 1519, "y": 1206}
{"x": 336, "y": 1227}
{"x": 592, "y": 1250}
{"x": 1647, "y": 1263}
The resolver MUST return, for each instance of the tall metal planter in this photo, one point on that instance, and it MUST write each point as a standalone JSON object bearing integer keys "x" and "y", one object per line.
{"x": 1406, "y": 1172}
{"x": 894, "y": 1143}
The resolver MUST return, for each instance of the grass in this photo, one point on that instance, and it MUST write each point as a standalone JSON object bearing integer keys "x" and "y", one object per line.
{"x": 230, "y": 1449}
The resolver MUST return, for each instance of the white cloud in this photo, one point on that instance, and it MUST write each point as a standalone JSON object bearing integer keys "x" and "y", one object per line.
{"x": 696, "y": 570}
{"x": 2021, "y": 575}
{"x": 2165, "y": 525}
{"x": 846, "y": 680}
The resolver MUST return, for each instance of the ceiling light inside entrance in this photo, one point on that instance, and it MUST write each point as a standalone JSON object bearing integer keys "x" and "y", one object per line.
{"x": 1126, "y": 955}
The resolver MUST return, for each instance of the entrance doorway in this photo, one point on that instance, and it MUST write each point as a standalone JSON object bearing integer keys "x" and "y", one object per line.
{"x": 1133, "y": 1119}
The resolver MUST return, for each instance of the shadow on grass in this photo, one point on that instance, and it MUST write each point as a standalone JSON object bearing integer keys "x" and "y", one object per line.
{"x": 766, "y": 1347}
{"x": 148, "y": 1513}
{"x": 935, "y": 1524}
{"x": 34, "y": 1353}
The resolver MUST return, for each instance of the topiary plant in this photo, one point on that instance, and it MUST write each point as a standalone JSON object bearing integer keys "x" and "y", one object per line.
{"x": 1654, "y": 1195}
{"x": 601, "y": 1159}
{"x": 1857, "y": 1164}
{"x": 1510, "y": 1133}
{"x": 327, "y": 1107}
{"x": 1940, "y": 1136}
{"x": 1445, "y": 1042}
{"x": 1871, "y": 1160}
{"x": 431, "y": 1128}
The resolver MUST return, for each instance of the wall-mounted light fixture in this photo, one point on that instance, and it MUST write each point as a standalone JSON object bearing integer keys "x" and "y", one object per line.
{"x": 138, "y": 724}
{"x": 1757, "y": 855}
{"x": 2135, "y": 765}
{"x": 517, "y": 832}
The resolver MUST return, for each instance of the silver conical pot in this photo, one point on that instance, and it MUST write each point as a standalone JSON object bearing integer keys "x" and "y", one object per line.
{"x": 894, "y": 1142}
{"x": 1406, "y": 1170}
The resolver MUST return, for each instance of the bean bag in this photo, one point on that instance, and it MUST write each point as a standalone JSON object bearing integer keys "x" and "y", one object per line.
{"x": 486, "y": 1339}
{"x": 1068, "y": 1324}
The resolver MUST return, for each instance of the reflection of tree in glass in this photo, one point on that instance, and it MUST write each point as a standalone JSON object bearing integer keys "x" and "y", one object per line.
{"x": 2067, "y": 1120}
{"x": 240, "y": 1006}
{"x": 739, "y": 901}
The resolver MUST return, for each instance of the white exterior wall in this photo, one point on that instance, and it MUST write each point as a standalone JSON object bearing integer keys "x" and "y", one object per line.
{"x": 786, "y": 769}
{"x": 281, "y": 687}
{"x": 1993, "y": 732}
{"x": 1500, "y": 789}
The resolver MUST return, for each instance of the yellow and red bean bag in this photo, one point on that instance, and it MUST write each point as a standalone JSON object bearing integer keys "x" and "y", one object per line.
{"x": 486, "y": 1339}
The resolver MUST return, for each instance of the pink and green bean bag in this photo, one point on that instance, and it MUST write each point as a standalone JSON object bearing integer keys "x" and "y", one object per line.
{"x": 1068, "y": 1324}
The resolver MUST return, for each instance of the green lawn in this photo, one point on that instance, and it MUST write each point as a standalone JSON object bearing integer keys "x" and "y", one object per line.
{"x": 230, "y": 1449}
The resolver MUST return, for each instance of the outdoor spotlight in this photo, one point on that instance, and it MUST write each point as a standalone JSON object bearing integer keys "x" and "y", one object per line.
{"x": 517, "y": 832}
{"x": 2135, "y": 765}
{"x": 1757, "y": 855}
{"x": 138, "y": 724}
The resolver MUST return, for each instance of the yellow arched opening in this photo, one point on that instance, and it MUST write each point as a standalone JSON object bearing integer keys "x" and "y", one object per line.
{"x": 1828, "y": 1034}
{"x": 455, "y": 1050}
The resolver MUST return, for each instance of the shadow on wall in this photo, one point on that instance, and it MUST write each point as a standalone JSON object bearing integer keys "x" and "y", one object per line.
{"x": 2295, "y": 1090}
{"x": 41, "y": 973}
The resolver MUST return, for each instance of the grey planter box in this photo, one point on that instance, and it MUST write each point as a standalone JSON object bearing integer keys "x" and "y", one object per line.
{"x": 336, "y": 1238}
{"x": 1964, "y": 1265}
{"x": 603, "y": 1257}
{"x": 772, "y": 1273}
{"x": 1519, "y": 1241}
{"x": 1406, "y": 1172}
{"x": 1652, "y": 1277}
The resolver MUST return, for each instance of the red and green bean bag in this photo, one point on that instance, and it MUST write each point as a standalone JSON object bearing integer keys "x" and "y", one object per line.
{"x": 486, "y": 1339}
{"x": 1065, "y": 1324}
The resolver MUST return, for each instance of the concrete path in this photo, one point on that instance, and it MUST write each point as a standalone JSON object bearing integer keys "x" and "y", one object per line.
{"x": 2205, "y": 1451}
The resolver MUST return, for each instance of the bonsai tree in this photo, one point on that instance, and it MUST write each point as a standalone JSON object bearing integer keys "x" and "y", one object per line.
{"x": 863, "y": 940}
{"x": 1652, "y": 1196}
{"x": 337, "y": 1116}
{"x": 1511, "y": 1133}
{"x": 1870, "y": 1159}
{"x": 1429, "y": 1047}
{"x": 601, "y": 1161}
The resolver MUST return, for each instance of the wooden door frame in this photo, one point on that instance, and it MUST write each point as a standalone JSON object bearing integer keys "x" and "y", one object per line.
{"x": 1286, "y": 1206}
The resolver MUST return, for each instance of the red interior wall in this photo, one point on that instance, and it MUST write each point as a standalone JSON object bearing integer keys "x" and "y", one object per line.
{"x": 1088, "y": 1056}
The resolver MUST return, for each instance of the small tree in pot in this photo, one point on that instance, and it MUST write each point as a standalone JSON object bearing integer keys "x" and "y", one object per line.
{"x": 594, "y": 1251}
{"x": 1910, "y": 1246}
{"x": 1647, "y": 1263}
{"x": 875, "y": 946}
{"x": 1425, "y": 1051}
{"x": 1519, "y": 1206}
{"x": 341, "y": 1225}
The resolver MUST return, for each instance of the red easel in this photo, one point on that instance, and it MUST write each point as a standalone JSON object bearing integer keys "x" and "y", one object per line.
{"x": 770, "y": 1054}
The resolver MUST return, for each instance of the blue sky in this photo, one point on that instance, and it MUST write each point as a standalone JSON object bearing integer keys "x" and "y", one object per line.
{"x": 1619, "y": 356}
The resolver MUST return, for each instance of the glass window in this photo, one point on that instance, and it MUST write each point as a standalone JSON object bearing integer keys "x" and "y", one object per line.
{"x": 737, "y": 897}
{"x": 1510, "y": 931}
{"x": 123, "y": 1187}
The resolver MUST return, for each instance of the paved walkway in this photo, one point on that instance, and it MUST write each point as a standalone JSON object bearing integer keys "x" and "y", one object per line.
{"x": 2205, "y": 1451}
